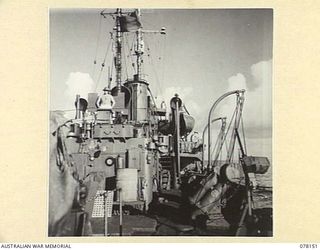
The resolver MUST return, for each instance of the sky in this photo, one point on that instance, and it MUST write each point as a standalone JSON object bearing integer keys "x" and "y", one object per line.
{"x": 205, "y": 53}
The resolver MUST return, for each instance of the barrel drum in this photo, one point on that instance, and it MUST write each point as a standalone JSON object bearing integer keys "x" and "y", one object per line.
{"x": 127, "y": 182}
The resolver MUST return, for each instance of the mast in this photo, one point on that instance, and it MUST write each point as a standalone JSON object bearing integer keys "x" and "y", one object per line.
{"x": 139, "y": 47}
{"x": 118, "y": 50}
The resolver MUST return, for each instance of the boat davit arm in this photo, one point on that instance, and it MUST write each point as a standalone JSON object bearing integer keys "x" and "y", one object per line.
{"x": 210, "y": 114}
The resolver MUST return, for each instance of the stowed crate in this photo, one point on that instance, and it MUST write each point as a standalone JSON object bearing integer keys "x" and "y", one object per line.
{"x": 103, "y": 200}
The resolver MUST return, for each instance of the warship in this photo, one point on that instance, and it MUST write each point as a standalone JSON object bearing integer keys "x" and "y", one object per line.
{"x": 126, "y": 166}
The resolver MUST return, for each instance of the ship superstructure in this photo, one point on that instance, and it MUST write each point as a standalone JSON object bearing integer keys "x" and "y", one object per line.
{"x": 128, "y": 155}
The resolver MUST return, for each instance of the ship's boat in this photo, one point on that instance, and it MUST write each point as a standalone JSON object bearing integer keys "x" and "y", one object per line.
{"x": 124, "y": 166}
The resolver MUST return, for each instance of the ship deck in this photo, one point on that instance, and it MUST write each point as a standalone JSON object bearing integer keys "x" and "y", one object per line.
{"x": 167, "y": 218}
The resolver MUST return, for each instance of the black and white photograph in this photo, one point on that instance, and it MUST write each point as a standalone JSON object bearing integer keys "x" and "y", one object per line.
{"x": 160, "y": 122}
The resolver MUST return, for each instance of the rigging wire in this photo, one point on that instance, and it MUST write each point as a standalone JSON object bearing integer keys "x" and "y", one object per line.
{"x": 163, "y": 58}
{"x": 111, "y": 71}
{"x": 153, "y": 67}
{"x": 97, "y": 46}
{"x": 154, "y": 102}
{"x": 228, "y": 129}
{"x": 244, "y": 137}
{"x": 227, "y": 149}
{"x": 103, "y": 64}
{"x": 239, "y": 119}
{"x": 125, "y": 62}
{"x": 218, "y": 154}
{"x": 215, "y": 145}
{"x": 185, "y": 108}
{"x": 132, "y": 49}
{"x": 221, "y": 154}
{"x": 129, "y": 52}
{"x": 233, "y": 135}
